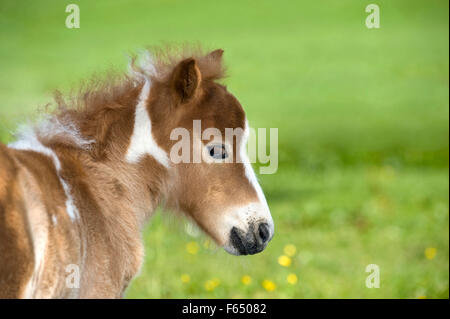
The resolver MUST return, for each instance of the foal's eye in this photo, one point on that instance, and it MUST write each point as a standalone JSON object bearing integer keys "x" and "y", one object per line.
{"x": 217, "y": 151}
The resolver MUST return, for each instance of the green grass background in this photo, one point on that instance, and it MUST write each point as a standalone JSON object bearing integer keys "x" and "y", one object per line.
{"x": 363, "y": 132}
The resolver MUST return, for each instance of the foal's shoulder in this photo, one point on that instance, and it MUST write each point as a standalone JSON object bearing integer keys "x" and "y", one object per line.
{"x": 16, "y": 252}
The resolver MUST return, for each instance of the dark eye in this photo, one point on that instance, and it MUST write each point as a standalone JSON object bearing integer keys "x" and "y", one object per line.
{"x": 217, "y": 151}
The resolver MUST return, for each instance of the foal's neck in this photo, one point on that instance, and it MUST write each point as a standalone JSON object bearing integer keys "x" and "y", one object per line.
{"x": 127, "y": 172}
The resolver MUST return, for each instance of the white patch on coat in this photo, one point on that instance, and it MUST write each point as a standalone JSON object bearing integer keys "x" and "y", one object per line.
{"x": 71, "y": 209}
{"x": 28, "y": 141}
{"x": 54, "y": 220}
{"x": 53, "y": 127}
{"x": 142, "y": 141}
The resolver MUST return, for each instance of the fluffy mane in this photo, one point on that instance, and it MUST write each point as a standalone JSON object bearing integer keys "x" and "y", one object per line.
{"x": 82, "y": 119}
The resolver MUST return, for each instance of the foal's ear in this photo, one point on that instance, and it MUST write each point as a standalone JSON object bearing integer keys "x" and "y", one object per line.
{"x": 186, "y": 79}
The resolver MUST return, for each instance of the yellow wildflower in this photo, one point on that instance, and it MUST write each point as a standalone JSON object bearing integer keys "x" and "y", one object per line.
{"x": 246, "y": 280}
{"x": 192, "y": 247}
{"x": 269, "y": 285}
{"x": 284, "y": 261}
{"x": 430, "y": 253}
{"x": 185, "y": 278}
{"x": 212, "y": 284}
{"x": 289, "y": 250}
{"x": 292, "y": 279}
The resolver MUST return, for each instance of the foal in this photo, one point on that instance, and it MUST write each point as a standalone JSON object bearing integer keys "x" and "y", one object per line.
{"x": 77, "y": 189}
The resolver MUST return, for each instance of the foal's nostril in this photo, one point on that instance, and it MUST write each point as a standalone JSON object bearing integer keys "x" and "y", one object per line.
{"x": 264, "y": 232}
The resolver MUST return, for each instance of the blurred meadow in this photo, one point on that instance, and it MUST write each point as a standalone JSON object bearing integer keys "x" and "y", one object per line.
{"x": 363, "y": 120}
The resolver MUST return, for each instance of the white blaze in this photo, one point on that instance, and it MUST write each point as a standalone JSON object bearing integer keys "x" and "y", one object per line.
{"x": 251, "y": 176}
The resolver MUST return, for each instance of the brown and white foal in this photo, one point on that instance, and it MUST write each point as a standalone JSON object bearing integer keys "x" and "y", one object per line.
{"x": 78, "y": 188}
